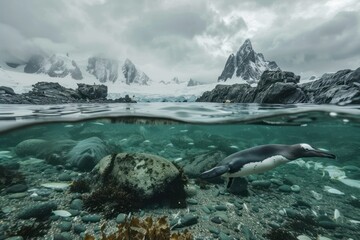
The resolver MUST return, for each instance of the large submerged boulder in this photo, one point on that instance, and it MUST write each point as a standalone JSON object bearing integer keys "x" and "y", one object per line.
{"x": 146, "y": 174}
{"x": 87, "y": 153}
{"x": 128, "y": 182}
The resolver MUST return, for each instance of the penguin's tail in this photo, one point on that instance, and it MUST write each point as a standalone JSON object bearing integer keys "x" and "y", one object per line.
{"x": 215, "y": 172}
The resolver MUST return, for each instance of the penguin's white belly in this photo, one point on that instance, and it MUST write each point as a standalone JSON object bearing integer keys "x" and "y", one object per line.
{"x": 259, "y": 167}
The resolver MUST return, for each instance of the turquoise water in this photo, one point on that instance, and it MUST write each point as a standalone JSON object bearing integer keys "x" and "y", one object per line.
{"x": 310, "y": 197}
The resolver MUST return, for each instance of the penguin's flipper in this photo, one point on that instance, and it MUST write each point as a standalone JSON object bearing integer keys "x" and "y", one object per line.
{"x": 215, "y": 172}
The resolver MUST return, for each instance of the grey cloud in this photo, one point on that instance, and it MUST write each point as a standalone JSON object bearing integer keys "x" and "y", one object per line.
{"x": 151, "y": 26}
{"x": 36, "y": 19}
{"x": 318, "y": 48}
{"x": 166, "y": 35}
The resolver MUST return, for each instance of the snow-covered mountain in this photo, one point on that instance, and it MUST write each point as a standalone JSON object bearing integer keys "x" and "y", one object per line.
{"x": 55, "y": 66}
{"x": 175, "y": 80}
{"x": 129, "y": 80}
{"x": 246, "y": 65}
{"x": 133, "y": 75}
{"x": 193, "y": 82}
{"x": 103, "y": 69}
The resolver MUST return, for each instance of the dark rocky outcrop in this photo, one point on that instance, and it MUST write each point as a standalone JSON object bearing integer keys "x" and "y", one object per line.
{"x": 280, "y": 87}
{"x": 54, "y": 93}
{"x": 340, "y": 87}
{"x": 92, "y": 91}
{"x": 6, "y": 90}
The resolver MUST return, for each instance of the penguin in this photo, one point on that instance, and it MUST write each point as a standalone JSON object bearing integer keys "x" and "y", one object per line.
{"x": 261, "y": 159}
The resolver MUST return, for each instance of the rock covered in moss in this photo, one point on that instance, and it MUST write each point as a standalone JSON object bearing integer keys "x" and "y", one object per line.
{"x": 144, "y": 173}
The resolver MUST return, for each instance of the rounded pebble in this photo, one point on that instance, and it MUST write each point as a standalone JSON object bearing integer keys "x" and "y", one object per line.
{"x": 295, "y": 188}
{"x": 79, "y": 228}
{"x": 38, "y": 211}
{"x": 192, "y": 201}
{"x": 261, "y": 183}
{"x": 64, "y": 177}
{"x": 121, "y": 218}
{"x": 285, "y": 188}
{"x": 220, "y": 207}
{"x": 77, "y": 204}
{"x": 65, "y": 226}
{"x": 17, "y": 188}
{"x": 216, "y": 220}
{"x": 91, "y": 218}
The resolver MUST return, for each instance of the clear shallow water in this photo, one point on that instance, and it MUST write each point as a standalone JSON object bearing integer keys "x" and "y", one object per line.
{"x": 184, "y": 132}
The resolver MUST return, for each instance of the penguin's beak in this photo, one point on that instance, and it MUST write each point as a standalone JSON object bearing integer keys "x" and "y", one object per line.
{"x": 321, "y": 153}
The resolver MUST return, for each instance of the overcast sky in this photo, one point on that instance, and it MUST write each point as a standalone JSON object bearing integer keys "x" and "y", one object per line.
{"x": 186, "y": 38}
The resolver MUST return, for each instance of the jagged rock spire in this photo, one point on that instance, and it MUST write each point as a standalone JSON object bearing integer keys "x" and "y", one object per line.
{"x": 246, "y": 64}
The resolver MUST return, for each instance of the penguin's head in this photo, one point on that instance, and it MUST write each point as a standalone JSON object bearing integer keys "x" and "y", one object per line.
{"x": 305, "y": 150}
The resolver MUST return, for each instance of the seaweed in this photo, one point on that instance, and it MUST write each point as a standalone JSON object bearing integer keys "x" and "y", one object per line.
{"x": 9, "y": 177}
{"x": 280, "y": 234}
{"x": 29, "y": 230}
{"x": 148, "y": 228}
{"x": 80, "y": 186}
{"x": 304, "y": 225}
{"x": 111, "y": 199}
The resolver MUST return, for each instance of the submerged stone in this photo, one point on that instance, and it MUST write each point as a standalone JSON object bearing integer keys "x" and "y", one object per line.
{"x": 91, "y": 218}
{"x": 121, "y": 218}
{"x": 39, "y": 211}
{"x": 31, "y": 147}
{"x": 144, "y": 173}
{"x": 17, "y": 188}
{"x": 87, "y": 153}
{"x": 285, "y": 188}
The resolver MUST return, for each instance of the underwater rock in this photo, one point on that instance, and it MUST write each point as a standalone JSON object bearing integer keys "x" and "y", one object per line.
{"x": 185, "y": 221}
{"x": 31, "y": 147}
{"x": 17, "y": 188}
{"x": 261, "y": 184}
{"x": 195, "y": 166}
{"x": 87, "y": 153}
{"x": 39, "y": 211}
{"x": 239, "y": 186}
{"x": 143, "y": 173}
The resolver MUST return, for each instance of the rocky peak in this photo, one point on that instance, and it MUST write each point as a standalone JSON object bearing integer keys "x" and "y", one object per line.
{"x": 193, "y": 82}
{"x": 246, "y": 52}
{"x": 246, "y": 64}
{"x": 132, "y": 75}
